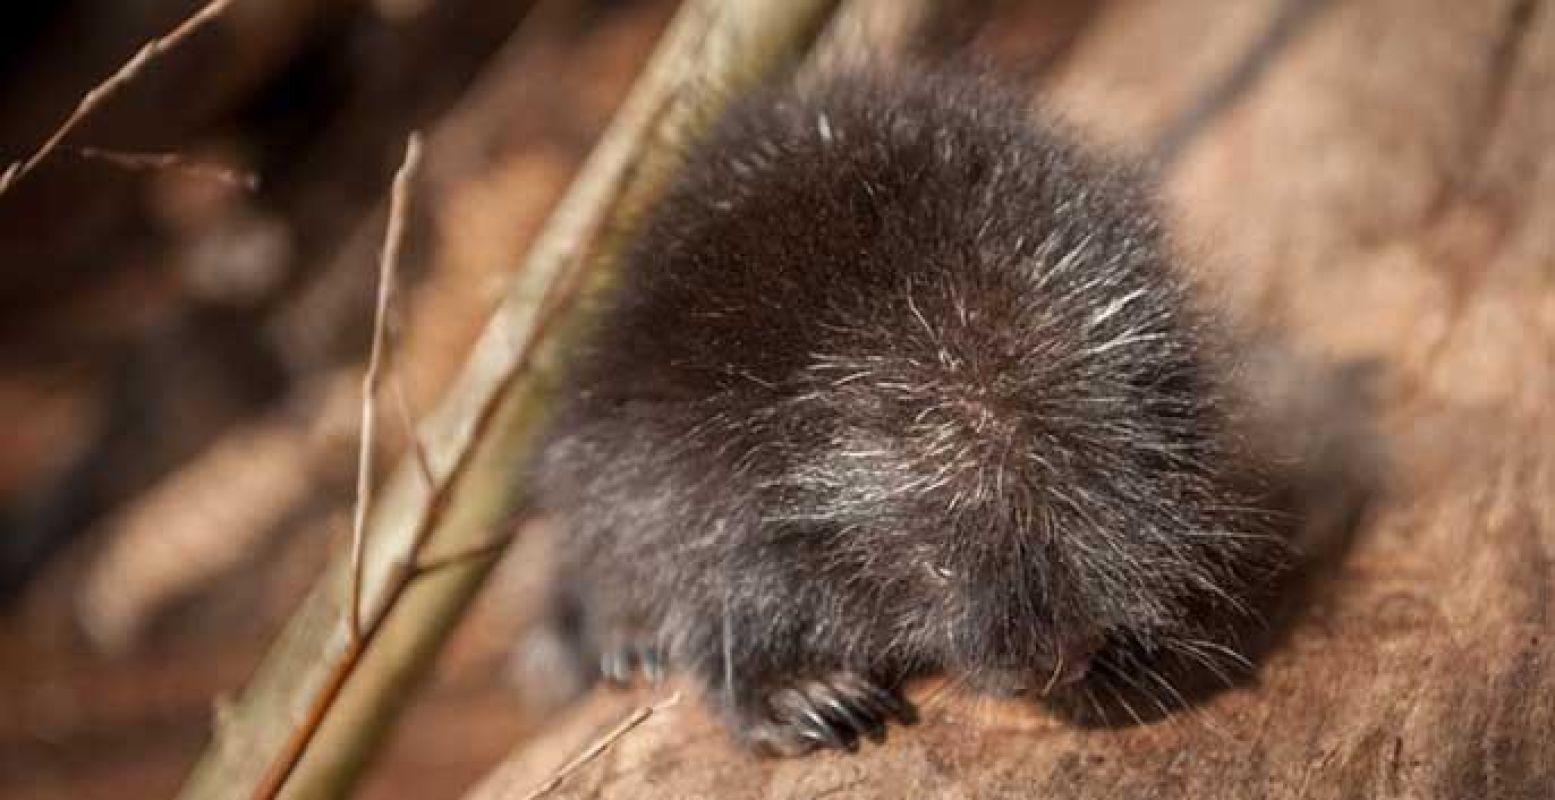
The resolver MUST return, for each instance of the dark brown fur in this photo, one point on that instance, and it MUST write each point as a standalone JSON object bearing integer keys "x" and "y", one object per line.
{"x": 898, "y": 381}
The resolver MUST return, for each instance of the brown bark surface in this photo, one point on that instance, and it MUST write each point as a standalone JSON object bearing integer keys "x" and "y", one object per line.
{"x": 1374, "y": 180}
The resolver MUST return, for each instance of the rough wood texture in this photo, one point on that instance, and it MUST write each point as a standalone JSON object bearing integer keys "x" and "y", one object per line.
{"x": 1374, "y": 180}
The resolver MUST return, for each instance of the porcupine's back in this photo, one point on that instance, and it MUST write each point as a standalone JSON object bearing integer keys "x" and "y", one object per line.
{"x": 900, "y": 324}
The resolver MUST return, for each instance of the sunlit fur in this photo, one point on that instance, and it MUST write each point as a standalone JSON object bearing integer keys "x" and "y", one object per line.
{"x": 898, "y": 381}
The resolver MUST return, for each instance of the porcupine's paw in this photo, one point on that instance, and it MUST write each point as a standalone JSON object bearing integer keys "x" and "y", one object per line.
{"x": 620, "y": 661}
{"x": 834, "y": 711}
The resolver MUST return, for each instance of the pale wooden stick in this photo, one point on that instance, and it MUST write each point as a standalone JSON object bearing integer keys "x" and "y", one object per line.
{"x": 100, "y": 93}
{"x": 407, "y": 418}
{"x": 393, "y": 237}
{"x": 395, "y": 327}
{"x": 600, "y": 745}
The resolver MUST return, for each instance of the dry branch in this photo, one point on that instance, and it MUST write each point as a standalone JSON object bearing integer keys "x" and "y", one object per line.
{"x": 388, "y": 261}
{"x": 479, "y": 435}
{"x": 100, "y": 93}
{"x": 407, "y": 418}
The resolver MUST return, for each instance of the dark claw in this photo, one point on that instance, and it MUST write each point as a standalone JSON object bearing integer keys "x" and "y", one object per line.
{"x": 841, "y": 709}
{"x": 876, "y": 710}
{"x": 652, "y": 662}
{"x": 616, "y": 666}
{"x": 867, "y": 697}
{"x": 893, "y": 705}
{"x": 834, "y": 711}
{"x": 808, "y": 722}
{"x": 619, "y": 663}
{"x": 818, "y": 728}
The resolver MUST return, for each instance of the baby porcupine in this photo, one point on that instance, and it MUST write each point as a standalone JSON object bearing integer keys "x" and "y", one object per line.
{"x": 897, "y": 381}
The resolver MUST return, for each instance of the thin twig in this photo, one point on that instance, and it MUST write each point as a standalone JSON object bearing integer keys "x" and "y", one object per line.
{"x": 488, "y": 550}
{"x": 168, "y": 162}
{"x": 399, "y": 202}
{"x": 600, "y": 745}
{"x": 395, "y": 328}
{"x": 100, "y": 93}
{"x": 407, "y": 418}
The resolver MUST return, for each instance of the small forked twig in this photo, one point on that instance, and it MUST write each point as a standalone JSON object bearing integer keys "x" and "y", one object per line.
{"x": 395, "y": 327}
{"x": 407, "y": 417}
{"x": 638, "y": 716}
{"x": 399, "y": 202}
{"x": 100, "y": 93}
{"x": 485, "y": 551}
{"x": 404, "y": 572}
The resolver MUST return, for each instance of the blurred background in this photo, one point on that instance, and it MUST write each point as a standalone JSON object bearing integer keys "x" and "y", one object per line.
{"x": 181, "y": 346}
{"x": 185, "y": 306}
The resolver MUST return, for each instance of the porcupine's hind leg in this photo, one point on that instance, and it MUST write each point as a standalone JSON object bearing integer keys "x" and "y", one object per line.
{"x": 605, "y": 641}
{"x": 778, "y": 688}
